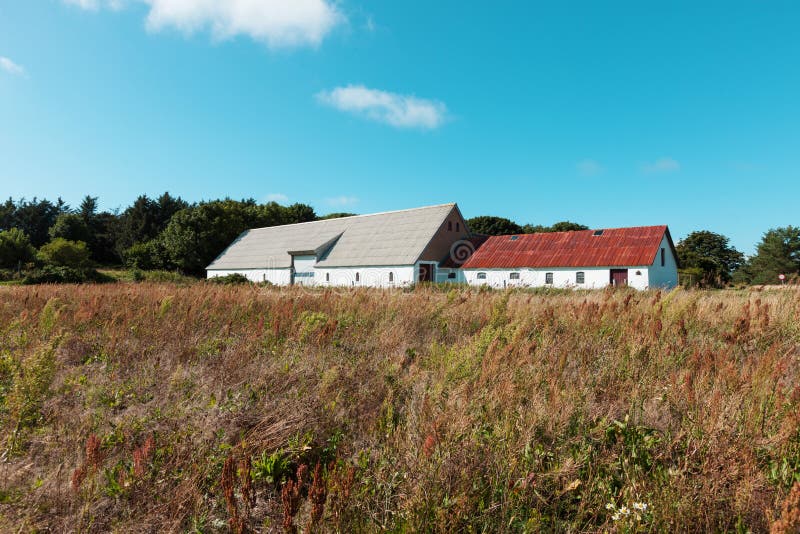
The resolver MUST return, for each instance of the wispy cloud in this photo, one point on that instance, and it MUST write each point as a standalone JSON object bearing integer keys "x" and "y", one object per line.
{"x": 10, "y": 67}
{"x": 341, "y": 201}
{"x": 662, "y": 165}
{"x": 278, "y": 23}
{"x": 277, "y": 197}
{"x": 589, "y": 167}
{"x": 400, "y": 111}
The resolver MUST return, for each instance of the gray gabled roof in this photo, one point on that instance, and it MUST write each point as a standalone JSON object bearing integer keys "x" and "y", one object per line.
{"x": 389, "y": 238}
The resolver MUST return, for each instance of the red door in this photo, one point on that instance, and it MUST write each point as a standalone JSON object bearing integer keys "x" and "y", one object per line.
{"x": 619, "y": 277}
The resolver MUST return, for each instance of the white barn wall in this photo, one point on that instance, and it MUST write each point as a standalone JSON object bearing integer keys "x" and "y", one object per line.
{"x": 368, "y": 276}
{"x": 279, "y": 277}
{"x": 594, "y": 277}
{"x": 666, "y": 276}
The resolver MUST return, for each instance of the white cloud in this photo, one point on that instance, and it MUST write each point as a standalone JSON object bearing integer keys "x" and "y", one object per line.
{"x": 278, "y": 23}
{"x": 341, "y": 201}
{"x": 400, "y": 111}
{"x": 662, "y": 165}
{"x": 11, "y": 67}
{"x": 589, "y": 167}
{"x": 277, "y": 197}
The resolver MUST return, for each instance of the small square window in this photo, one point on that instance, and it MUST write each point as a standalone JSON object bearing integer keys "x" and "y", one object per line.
{"x": 513, "y": 276}
{"x": 514, "y": 237}
{"x": 580, "y": 278}
{"x": 481, "y": 276}
{"x": 451, "y": 276}
{"x": 548, "y": 278}
{"x": 597, "y": 232}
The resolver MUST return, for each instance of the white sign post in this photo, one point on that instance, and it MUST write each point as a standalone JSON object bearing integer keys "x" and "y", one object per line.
{"x": 782, "y": 278}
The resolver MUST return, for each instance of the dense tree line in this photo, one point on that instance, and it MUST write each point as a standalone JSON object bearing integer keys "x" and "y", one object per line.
{"x": 169, "y": 233}
{"x": 152, "y": 233}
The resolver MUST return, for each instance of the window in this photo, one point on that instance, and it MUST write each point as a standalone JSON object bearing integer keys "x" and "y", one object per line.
{"x": 548, "y": 278}
{"x": 513, "y": 276}
{"x": 458, "y": 227}
{"x": 391, "y": 277}
{"x": 580, "y": 277}
{"x": 514, "y": 237}
{"x": 327, "y": 277}
{"x": 358, "y": 277}
{"x": 451, "y": 276}
{"x": 663, "y": 257}
{"x": 598, "y": 232}
{"x": 449, "y": 226}
{"x": 481, "y": 276}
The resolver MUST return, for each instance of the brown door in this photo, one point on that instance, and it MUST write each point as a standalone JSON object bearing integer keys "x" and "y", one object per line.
{"x": 619, "y": 277}
{"x": 426, "y": 272}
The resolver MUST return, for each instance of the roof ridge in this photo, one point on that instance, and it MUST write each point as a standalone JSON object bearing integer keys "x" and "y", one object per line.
{"x": 357, "y": 216}
{"x": 586, "y": 230}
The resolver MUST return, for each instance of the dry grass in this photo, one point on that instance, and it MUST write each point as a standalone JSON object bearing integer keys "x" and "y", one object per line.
{"x": 152, "y": 407}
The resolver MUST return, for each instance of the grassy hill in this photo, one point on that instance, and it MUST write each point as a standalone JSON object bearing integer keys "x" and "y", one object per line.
{"x": 156, "y": 407}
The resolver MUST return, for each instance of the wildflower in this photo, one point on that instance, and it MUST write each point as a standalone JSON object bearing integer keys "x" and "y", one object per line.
{"x": 624, "y": 510}
{"x": 640, "y": 506}
{"x": 616, "y": 516}
{"x": 610, "y": 506}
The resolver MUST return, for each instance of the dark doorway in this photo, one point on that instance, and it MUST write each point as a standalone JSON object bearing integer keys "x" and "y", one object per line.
{"x": 426, "y": 272}
{"x": 619, "y": 277}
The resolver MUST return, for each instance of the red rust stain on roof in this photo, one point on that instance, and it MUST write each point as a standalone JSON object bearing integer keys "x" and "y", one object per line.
{"x": 614, "y": 247}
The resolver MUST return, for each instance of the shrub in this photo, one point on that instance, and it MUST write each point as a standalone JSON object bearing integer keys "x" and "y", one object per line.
{"x": 15, "y": 248}
{"x": 65, "y": 253}
{"x": 230, "y": 279}
{"x": 51, "y": 274}
{"x": 149, "y": 255}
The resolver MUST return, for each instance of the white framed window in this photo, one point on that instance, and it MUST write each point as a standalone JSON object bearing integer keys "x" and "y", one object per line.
{"x": 513, "y": 276}
{"x": 481, "y": 276}
{"x": 580, "y": 277}
{"x": 548, "y": 278}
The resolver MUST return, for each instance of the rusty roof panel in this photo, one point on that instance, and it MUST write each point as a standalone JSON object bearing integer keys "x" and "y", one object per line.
{"x": 615, "y": 247}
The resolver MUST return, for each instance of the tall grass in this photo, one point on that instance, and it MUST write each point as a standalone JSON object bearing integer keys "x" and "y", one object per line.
{"x": 156, "y": 407}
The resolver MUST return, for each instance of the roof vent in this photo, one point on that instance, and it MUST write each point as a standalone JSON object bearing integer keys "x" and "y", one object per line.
{"x": 598, "y": 232}
{"x": 514, "y": 237}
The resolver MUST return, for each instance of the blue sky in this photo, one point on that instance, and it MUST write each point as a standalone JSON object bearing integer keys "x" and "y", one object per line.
{"x": 606, "y": 113}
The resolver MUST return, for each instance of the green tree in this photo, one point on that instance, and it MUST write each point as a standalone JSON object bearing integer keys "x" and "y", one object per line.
{"x": 562, "y": 226}
{"x": 15, "y": 248}
{"x": 65, "y": 253}
{"x": 491, "y": 225}
{"x": 709, "y": 256}
{"x": 145, "y": 219}
{"x": 198, "y": 234}
{"x": 149, "y": 255}
{"x": 337, "y": 215}
{"x": 33, "y": 217}
{"x": 777, "y": 253}
{"x": 71, "y": 226}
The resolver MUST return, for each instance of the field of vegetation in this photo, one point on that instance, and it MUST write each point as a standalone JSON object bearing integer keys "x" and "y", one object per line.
{"x": 145, "y": 407}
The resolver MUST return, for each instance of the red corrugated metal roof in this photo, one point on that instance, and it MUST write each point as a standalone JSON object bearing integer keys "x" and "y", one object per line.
{"x": 615, "y": 247}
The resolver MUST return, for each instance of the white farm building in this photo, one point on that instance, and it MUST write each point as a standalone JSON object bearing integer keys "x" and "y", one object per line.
{"x": 434, "y": 244}
{"x": 388, "y": 249}
{"x": 641, "y": 257}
